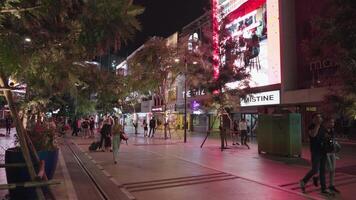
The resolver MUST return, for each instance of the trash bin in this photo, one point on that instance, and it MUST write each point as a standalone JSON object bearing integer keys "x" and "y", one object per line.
{"x": 280, "y": 134}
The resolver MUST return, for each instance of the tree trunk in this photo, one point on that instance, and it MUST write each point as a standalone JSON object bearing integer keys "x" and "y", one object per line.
{"x": 21, "y": 133}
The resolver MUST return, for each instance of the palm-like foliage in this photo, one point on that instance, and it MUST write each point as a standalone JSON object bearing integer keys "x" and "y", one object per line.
{"x": 64, "y": 34}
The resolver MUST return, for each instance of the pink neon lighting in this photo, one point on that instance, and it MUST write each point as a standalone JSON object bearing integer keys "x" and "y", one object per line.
{"x": 215, "y": 26}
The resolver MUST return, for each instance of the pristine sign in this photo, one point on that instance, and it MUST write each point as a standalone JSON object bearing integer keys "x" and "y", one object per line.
{"x": 263, "y": 98}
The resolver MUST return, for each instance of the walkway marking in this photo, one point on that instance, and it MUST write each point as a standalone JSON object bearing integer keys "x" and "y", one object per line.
{"x": 128, "y": 194}
{"x": 178, "y": 182}
{"x": 72, "y": 195}
{"x": 340, "y": 179}
{"x": 244, "y": 178}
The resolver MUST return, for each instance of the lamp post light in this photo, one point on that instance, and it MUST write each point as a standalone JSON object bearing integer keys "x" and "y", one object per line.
{"x": 185, "y": 101}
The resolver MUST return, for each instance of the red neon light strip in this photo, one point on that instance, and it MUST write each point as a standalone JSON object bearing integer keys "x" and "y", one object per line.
{"x": 215, "y": 26}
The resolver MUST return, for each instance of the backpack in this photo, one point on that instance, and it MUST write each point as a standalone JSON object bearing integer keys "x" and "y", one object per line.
{"x": 94, "y": 146}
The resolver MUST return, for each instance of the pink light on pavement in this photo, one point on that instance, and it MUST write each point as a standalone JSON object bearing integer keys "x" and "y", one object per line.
{"x": 215, "y": 26}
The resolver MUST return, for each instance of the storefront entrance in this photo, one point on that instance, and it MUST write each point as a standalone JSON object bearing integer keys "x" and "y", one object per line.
{"x": 252, "y": 122}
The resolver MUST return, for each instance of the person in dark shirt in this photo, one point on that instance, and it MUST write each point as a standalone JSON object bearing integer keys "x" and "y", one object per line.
{"x": 8, "y": 123}
{"x": 152, "y": 127}
{"x": 317, "y": 131}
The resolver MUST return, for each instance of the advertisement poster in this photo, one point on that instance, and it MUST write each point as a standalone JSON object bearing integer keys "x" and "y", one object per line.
{"x": 248, "y": 24}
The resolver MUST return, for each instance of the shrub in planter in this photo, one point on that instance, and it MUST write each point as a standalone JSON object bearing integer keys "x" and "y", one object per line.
{"x": 43, "y": 138}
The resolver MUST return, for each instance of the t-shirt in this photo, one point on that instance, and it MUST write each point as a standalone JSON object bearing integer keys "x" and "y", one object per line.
{"x": 243, "y": 126}
{"x": 316, "y": 142}
{"x": 116, "y": 129}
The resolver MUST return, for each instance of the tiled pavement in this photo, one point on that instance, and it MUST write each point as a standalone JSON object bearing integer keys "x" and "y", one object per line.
{"x": 168, "y": 169}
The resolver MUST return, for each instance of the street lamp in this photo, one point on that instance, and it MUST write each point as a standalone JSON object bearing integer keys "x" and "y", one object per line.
{"x": 185, "y": 101}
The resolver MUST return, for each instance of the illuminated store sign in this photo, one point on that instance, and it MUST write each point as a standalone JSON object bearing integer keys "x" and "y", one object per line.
{"x": 263, "y": 98}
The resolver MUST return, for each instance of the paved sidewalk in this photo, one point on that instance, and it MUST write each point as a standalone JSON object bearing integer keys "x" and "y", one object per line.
{"x": 169, "y": 169}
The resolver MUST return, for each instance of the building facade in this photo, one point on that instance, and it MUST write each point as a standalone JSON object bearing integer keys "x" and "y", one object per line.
{"x": 283, "y": 80}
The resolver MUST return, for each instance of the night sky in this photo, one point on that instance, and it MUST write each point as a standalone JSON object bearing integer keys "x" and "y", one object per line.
{"x": 164, "y": 17}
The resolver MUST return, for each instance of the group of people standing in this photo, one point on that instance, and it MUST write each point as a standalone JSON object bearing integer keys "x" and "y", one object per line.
{"x": 85, "y": 126}
{"x": 323, "y": 148}
{"x": 152, "y": 124}
{"x": 240, "y": 128}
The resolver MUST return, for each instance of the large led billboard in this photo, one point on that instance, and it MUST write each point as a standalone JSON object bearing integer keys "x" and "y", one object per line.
{"x": 255, "y": 25}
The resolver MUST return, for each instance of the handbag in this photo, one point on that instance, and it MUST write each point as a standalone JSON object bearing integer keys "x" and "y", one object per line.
{"x": 328, "y": 145}
{"x": 123, "y": 136}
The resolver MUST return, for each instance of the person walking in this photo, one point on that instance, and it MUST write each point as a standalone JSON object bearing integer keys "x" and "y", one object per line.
{"x": 117, "y": 130}
{"x": 104, "y": 134}
{"x": 145, "y": 129}
{"x": 235, "y": 133}
{"x": 85, "y": 127}
{"x": 75, "y": 128}
{"x": 243, "y": 132}
{"x": 8, "y": 123}
{"x": 331, "y": 156}
{"x": 152, "y": 127}
{"x": 316, "y": 133}
{"x": 92, "y": 127}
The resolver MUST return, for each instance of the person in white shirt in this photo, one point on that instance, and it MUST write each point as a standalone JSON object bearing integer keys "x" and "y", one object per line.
{"x": 243, "y": 132}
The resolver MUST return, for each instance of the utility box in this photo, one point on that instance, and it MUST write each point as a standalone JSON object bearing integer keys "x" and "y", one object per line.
{"x": 280, "y": 134}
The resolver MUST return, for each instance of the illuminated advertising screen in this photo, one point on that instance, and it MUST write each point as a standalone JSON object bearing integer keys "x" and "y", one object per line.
{"x": 255, "y": 25}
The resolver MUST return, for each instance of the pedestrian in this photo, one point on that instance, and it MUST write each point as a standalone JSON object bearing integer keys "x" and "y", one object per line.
{"x": 85, "y": 127}
{"x": 243, "y": 127}
{"x": 104, "y": 134}
{"x": 135, "y": 125}
{"x": 8, "y": 123}
{"x": 92, "y": 127}
{"x": 145, "y": 129}
{"x": 75, "y": 128}
{"x": 331, "y": 155}
{"x": 316, "y": 131}
{"x": 152, "y": 127}
{"x": 235, "y": 133}
{"x": 117, "y": 130}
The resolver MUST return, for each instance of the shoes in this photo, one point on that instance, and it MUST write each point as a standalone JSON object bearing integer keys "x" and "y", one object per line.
{"x": 327, "y": 192}
{"x": 316, "y": 181}
{"x": 233, "y": 143}
{"x": 302, "y": 186}
{"x": 115, "y": 162}
{"x": 333, "y": 189}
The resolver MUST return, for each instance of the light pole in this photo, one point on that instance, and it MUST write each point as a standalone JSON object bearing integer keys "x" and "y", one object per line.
{"x": 185, "y": 101}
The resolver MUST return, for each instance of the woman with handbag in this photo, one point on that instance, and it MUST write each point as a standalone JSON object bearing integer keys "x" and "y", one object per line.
{"x": 116, "y": 140}
{"x": 332, "y": 147}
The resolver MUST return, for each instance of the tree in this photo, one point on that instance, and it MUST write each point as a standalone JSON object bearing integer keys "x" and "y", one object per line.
{"x": 332, "y": 37}
{"x": 45, "y": 44}
{"x": 152, "y": 66}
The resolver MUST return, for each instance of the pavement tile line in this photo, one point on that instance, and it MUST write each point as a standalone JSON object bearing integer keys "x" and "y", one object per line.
{"x": 169, "y": 179}
{"x": 106, "y": 173}
{"x": 72, "y": 195}
{"x": 337, "y": 175}
{"x": 243, "y": 178}
{"x": 209, "y": 178}
{"x": 180, "y": 184}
